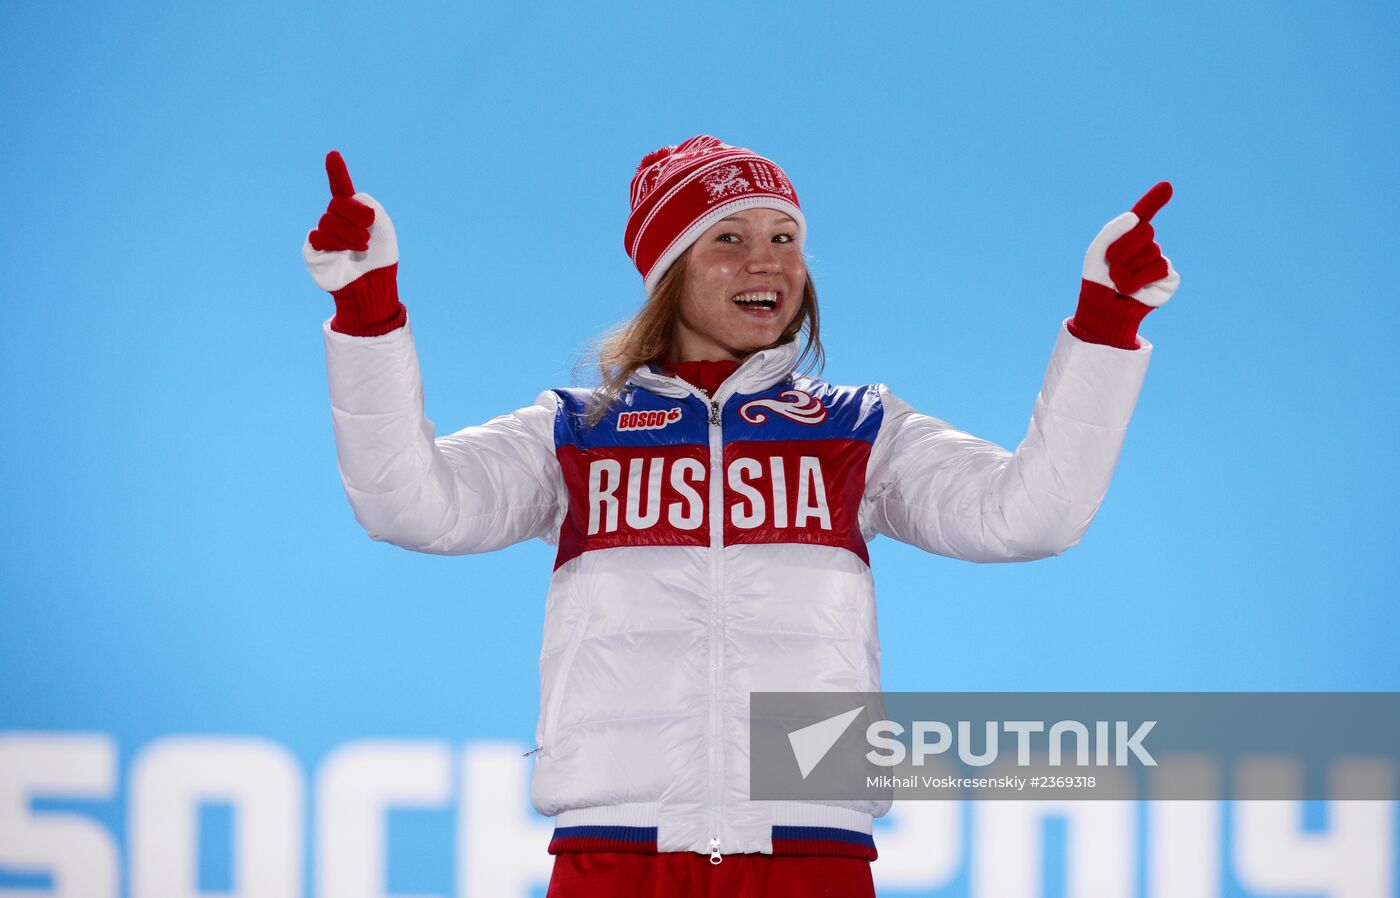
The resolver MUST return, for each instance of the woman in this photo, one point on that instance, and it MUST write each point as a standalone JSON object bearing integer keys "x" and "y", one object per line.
{"x": 711, "y": 510}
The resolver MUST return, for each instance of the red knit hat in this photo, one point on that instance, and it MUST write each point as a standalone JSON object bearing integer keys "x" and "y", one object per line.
{"x": 680, "y": 191}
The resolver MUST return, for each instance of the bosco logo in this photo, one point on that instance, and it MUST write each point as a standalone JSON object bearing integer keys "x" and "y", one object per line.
{"x": 652, "y": 420}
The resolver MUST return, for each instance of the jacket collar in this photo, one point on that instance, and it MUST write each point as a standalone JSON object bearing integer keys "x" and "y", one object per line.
{"x": 758, "y": 372}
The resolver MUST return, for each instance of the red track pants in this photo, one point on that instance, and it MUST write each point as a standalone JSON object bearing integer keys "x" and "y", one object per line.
{"x": 686, "y": 874}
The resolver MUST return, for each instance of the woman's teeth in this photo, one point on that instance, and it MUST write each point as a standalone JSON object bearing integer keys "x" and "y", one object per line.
{"x": 766, "y": 300}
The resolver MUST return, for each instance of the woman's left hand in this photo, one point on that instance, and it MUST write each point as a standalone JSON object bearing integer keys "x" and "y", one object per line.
{"x": 1125, "y": 276}
{"x": 1125, "y": 258}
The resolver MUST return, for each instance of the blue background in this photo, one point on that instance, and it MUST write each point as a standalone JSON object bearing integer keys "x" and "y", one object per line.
{"x": 177, "y": 552}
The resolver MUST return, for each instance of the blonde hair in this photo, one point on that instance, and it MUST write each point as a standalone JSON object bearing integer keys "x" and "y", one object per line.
{"x": 649, "y": 335}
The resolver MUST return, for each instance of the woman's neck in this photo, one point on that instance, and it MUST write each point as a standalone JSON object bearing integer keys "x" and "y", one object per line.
{"x": 706, "y": 374}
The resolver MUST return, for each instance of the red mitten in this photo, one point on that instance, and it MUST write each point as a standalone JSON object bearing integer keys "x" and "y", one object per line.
{"x": 1125, "y": 276}
{"x": 353, "y": 254}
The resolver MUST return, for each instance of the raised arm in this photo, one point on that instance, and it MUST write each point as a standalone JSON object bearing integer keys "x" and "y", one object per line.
{"x": 949, "y": 492}
{"x": 946, "y": 491}
{"x": 479, "y": 489}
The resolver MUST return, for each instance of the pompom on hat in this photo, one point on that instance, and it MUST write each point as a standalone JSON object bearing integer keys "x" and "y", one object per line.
{"x": 680, "y": 191}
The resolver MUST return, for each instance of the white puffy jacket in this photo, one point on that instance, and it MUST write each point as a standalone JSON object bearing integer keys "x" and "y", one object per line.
{"x": 707, "y": 550}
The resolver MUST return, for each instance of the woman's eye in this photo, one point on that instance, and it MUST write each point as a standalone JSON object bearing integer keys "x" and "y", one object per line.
{"x": 728, "y": 238}
{"x": 784, "y": 238}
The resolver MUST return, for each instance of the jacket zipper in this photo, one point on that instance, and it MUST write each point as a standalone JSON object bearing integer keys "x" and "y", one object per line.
{"x": 716, "y": 624}
{"x": 556, "y": 698}
{"x": 716, "y": 747}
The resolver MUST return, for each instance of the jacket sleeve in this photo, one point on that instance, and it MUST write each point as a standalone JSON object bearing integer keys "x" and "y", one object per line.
{"x": 948, "y": 492}
{"x": 482, "y": 488}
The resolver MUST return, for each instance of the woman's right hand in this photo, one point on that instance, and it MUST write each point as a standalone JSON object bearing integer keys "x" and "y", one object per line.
{"x": 353, "y": 254}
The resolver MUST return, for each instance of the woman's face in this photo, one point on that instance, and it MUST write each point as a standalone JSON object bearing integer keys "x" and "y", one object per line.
{"x": 743, "y": 286}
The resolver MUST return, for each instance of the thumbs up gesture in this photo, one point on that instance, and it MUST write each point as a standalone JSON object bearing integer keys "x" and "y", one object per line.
{"x": 1125, "y": 275}
{"x": 353, "y": 254}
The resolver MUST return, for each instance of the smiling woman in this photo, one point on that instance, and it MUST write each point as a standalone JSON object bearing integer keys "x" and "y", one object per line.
{"x": 743, "y": 280}
{"x": 743, "y": 286}
{"x": 711, "y": 508}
